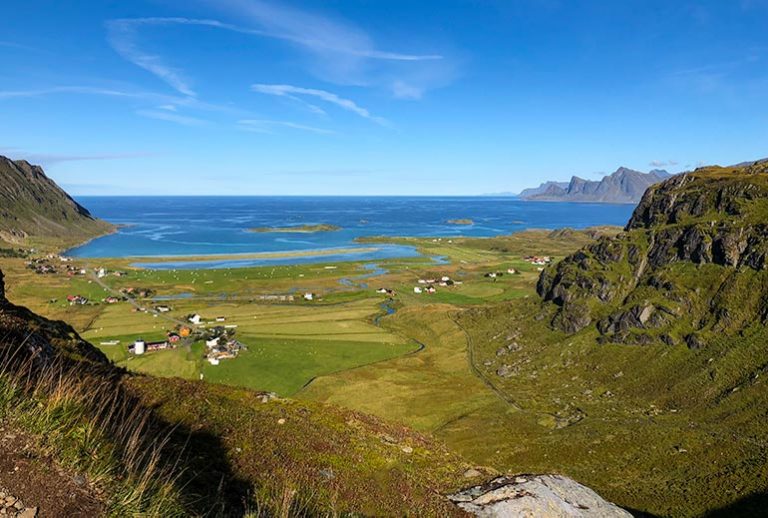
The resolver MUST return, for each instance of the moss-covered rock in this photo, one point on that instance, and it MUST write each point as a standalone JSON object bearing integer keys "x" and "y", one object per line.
{"x": 691, "y": 261}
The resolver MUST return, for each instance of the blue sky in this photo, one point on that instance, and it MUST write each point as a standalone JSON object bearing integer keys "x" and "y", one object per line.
{"x": 377, "y": 97}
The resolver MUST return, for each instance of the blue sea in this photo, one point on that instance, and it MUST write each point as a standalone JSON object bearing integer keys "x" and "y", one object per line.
{"x": 215, "y": 225}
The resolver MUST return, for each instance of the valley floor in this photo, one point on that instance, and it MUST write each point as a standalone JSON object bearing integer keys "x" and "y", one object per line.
{"x": 472, "y": 364}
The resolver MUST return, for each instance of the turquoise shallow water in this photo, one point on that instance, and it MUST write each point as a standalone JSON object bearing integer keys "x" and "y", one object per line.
{"x": 163, "y": 226}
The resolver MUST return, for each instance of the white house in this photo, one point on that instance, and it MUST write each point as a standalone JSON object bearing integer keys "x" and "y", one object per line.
{"x": 445, "y": 278}
{"x": 101, "y": 272}
{"x": 139, "y": 347}
{"x": 195, "y": 319}
{"x": 220, "y": 319}
{"x": 416, "y": 289}
{"x": 213, "y": 361}
{"x": 213, "y": 342}
{"x": 309, "y": 296}
{"x": 422, "y": 281}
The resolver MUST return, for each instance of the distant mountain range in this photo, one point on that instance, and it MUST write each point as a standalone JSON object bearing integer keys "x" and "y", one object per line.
{"x": 34, "y": 210}
{"x": 623, "y": 186}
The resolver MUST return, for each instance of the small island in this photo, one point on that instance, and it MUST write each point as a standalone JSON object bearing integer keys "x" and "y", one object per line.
{"x": 300, "y": 229}
{"x": 464, "y": 221}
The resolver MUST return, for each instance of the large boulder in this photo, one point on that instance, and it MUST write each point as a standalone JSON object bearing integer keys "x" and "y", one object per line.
{"x": 540, "y": 496}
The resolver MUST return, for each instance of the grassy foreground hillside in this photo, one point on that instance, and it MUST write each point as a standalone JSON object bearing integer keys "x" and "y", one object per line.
{"x": 170, "y": 447}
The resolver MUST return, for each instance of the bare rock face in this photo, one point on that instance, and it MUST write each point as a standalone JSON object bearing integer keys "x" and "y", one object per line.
{"x": 540, "y": 496}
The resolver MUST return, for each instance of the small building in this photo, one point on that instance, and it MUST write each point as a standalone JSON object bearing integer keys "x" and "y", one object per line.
{"x": 213, "y": 360}
{"x": 212, "y": 342}
{"x": 101, "y": 273}
{"x": 220, "y": 319}
{"x": 416, "y": 289}
{"x": 173, "y": 338}
{"x": 195, "y": 319}
{"x": 309, "y": 296}
{"x": 445, "y": 278}
{"x": 184, "y": 331}
{"x": 431, "y": 289}
{"x": 162, "y": 309}
{"x": 139, "y": 347}
{"x": 111, "y": 300}
{"x": 511, "y": 271}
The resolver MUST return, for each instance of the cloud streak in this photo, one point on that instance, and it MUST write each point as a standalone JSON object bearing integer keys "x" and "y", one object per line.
{"x": 49, "y": 159}
{"x": 122, "y": 35}
{"x": 343, "y": 52}
{"x": 170, "y": 116}
{"x": 292, "y": 92}
{"x": 265, "y": 126}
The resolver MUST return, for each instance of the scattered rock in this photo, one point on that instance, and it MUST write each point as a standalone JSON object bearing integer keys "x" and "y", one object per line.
{"x": 12, "y": 506}
{"x": 407, "y": 449}
{"x": 266, "y": 397}
{"x": 472, "y": 473}
{"x": 281, "y": 420}
{"x": 540, "y": 495}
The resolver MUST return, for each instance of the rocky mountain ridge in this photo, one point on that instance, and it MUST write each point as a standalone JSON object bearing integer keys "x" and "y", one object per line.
{"x": 690, "y": 262}
{"x": 623, "y": 186}
{"x": 33, "y": 207}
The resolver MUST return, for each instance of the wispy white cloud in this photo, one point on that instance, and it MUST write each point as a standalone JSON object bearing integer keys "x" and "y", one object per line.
{"x": 292, "y": 92}
{"x": 48, "y": 159}
{"x": 663, "y": 163}
{"x": 168, "y": 116}
{"x": 343, "y": 53}
{"x": 265, "y": 126}
{"x": 86, "y": 90}
{"x": 122, "y": 36}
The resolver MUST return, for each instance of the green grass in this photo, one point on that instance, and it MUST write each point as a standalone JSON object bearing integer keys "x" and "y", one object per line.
{"x": 284, "y": 366}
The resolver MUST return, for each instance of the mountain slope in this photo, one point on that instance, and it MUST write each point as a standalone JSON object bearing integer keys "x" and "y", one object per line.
{"x": 641, "y": 370}
{"x": 691, "y": 263}
{"x": 34, "y": 209}
{"x": 623, "y": 186}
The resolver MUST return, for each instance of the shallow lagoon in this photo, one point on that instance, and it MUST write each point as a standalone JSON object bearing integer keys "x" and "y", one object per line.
{"x": 203, "y": 226}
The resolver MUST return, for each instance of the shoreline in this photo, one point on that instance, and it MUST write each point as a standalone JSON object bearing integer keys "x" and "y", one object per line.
{"x": 236, "y": 256}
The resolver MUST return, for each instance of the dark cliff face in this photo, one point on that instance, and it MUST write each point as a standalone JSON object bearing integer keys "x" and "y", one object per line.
{"x": 691, "y": 261}
{"x": 32, "y": 205}
{"x": 23, "y": 334}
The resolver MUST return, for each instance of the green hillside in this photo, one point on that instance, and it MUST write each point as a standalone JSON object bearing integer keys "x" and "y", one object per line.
{"x": 36, "y": 211}
{"x": 640, "y": 370}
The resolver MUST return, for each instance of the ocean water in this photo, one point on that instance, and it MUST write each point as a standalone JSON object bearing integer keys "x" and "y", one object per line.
{"x": 194, "y": 226}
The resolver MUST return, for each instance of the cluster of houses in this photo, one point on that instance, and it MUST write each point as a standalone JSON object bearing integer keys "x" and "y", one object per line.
{"x": 429, "y": 287}
{"x": 538, "y": 260}
{"x": 386, "y": 291}
{"x": 41, "y": 266}
{"x": 134, "y": 293}
{"x": 222, "y": 347}
{"x": 77, "y": 300}
{"x": 140, "y": 347}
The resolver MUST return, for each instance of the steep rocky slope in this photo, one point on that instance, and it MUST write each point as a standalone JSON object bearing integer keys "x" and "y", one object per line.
{"x": 34, "y": 209}
{"x": 691, "y": 263}
{"x": 622, "y": 186}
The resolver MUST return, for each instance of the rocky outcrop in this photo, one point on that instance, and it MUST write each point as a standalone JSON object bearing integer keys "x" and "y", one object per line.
{"x": 623, "y": 186}
{"x": 545, "y": 496}
{"x": 32, "y": 205}
{"x": 680, "y": 269}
